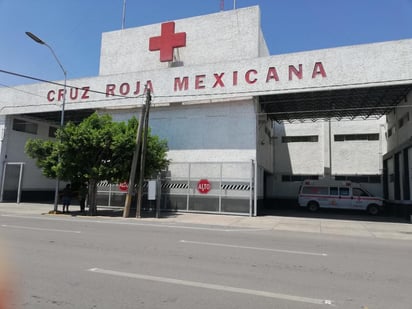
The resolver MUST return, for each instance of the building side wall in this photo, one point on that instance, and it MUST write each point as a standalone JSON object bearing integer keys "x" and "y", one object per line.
{"x": 33, "y": 179}
{"x": 362, "y": 157}
{"x": 299, "y": 157}
{"x": 399, "y": 124}
{"x": 399, "y": 128}
{"x": 296, "y": 160}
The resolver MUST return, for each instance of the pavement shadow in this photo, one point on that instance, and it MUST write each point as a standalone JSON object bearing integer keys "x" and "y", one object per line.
{"x": 285, "y": 211}
{"x": 336, "y": 214}
{"x": 117, "y": 212}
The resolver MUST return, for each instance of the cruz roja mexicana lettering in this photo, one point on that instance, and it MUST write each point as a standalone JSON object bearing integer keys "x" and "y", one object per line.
{"x": 249, "y": 77}
{"x": 203, "y": 81}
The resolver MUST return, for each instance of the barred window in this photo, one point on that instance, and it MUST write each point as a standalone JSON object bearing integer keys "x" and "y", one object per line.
{"x": 359, "y": 178}
{"x": 299, "y": 178}
{"x": 300, "y": 139}
{"x": 25, "y": 126}
{"x": 356, "y": 137}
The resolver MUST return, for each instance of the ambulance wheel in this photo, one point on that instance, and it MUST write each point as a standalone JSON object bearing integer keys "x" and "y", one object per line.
{"x": 313, "y": 206}
{"x": 373, "y": 209}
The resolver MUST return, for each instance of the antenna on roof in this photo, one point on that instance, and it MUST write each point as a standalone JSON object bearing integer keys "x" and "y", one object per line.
{"x": 124, "y": 13}
{"x": 234, "y": 4}
{"x": 222, "y": 5}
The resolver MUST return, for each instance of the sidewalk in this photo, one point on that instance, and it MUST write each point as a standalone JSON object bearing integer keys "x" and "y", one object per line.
{"x": 386, "y": 230}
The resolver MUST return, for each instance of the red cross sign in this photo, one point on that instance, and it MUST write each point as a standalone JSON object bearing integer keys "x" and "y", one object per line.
{"x": 167, "y": 41}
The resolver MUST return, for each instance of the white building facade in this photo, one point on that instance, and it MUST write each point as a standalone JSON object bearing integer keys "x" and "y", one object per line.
{"x": 397, "y": 177}
{"x": 216, "y": 99}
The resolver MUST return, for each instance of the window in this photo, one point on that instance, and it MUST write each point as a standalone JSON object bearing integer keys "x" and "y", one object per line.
{"x": 334, "y": 191}
{"x": 24, "y": 126}
{"x": 315, "y": 190}
{"x": 359, "y": 192}
{"x": 356, "y": 137}
{"x": 360, "y": 178}
{"x": 52, "y": 131}
{"x": 375, "y": 178}
{"x": 300, "y": 178}
{"x": 344, "y": 191}
{"x": 300, "y": 139}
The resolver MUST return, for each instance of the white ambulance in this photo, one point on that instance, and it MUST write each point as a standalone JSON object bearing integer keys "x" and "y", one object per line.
{"x": 328, "y": 193}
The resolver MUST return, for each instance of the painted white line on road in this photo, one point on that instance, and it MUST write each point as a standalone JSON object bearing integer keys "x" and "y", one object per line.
{"x": 252, "y": 248}
{"x": 38, "y": 229}
{"x": 216, "y": 287}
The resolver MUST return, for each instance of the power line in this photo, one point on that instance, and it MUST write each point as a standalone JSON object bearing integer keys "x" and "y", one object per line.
{"x": 62, "y": 85}
{"x": 24, "y": 91}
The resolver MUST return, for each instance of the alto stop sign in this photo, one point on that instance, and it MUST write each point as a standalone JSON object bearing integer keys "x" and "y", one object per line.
{"x": 203, "y": 186}
{"x": 123, "y": 186}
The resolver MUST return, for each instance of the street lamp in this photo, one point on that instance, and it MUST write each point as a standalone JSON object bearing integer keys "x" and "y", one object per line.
{"x": 40, "y": 41}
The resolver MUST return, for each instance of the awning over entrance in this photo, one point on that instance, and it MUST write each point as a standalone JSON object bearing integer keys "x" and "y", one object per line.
{"x": 368, "y": 102}
{"x": 75, "y": 116}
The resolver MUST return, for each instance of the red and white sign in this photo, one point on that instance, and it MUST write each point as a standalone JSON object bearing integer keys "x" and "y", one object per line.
{"x": 167, "y": 41}
{"x": 200, "y": 81}
{"x": 123, "y": 186}
{"x": 204, "y": 186}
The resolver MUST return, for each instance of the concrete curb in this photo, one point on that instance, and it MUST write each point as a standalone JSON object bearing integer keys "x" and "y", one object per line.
{"x": 352, "y": 228}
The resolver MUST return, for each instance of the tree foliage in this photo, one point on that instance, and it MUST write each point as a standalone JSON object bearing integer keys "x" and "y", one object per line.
{"x": 96, "y": 149}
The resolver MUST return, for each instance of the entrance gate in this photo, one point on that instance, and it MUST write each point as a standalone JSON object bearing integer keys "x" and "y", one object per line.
{"x": 222, "y": 187}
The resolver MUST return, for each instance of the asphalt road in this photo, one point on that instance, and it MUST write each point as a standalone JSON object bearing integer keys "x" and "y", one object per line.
{"x": 65, "y": 262}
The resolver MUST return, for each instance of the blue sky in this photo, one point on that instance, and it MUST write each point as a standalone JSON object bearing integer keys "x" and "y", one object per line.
{"x": 73, "y": 28}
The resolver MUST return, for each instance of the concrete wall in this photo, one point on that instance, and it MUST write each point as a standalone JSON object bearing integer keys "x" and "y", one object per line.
{"x": 33, "y": 179}
{"x": 229, "y": 35}
{"x": 299, "y": 158}
{"x": 204, "y": 132}
{"x": 312, "y": 158}
{"x": 358, "y": 157}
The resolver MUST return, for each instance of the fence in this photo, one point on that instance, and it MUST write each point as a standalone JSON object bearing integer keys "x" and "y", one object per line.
{"x": 223, "y": 187}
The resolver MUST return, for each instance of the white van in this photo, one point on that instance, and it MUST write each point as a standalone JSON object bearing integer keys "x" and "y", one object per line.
{"x": 328, "y": 193}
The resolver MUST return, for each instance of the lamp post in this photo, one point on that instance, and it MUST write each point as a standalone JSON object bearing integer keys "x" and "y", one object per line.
{"x": 40, "y": 41}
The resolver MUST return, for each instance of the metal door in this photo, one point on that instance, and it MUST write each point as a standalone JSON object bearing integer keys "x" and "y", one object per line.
{"x": 11, "y": 182}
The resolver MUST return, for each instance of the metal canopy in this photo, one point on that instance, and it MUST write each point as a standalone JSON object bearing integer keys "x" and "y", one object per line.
{"x": 369, "y": 102}
{"x": 75, "y": 116}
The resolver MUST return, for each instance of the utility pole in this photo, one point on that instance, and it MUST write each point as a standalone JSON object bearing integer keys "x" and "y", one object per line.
{"x": 143, "y": 156}
{"x": 136, "y": 156}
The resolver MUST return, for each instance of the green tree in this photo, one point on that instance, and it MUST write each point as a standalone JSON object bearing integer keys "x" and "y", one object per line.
{"x": 96, "y": 149}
